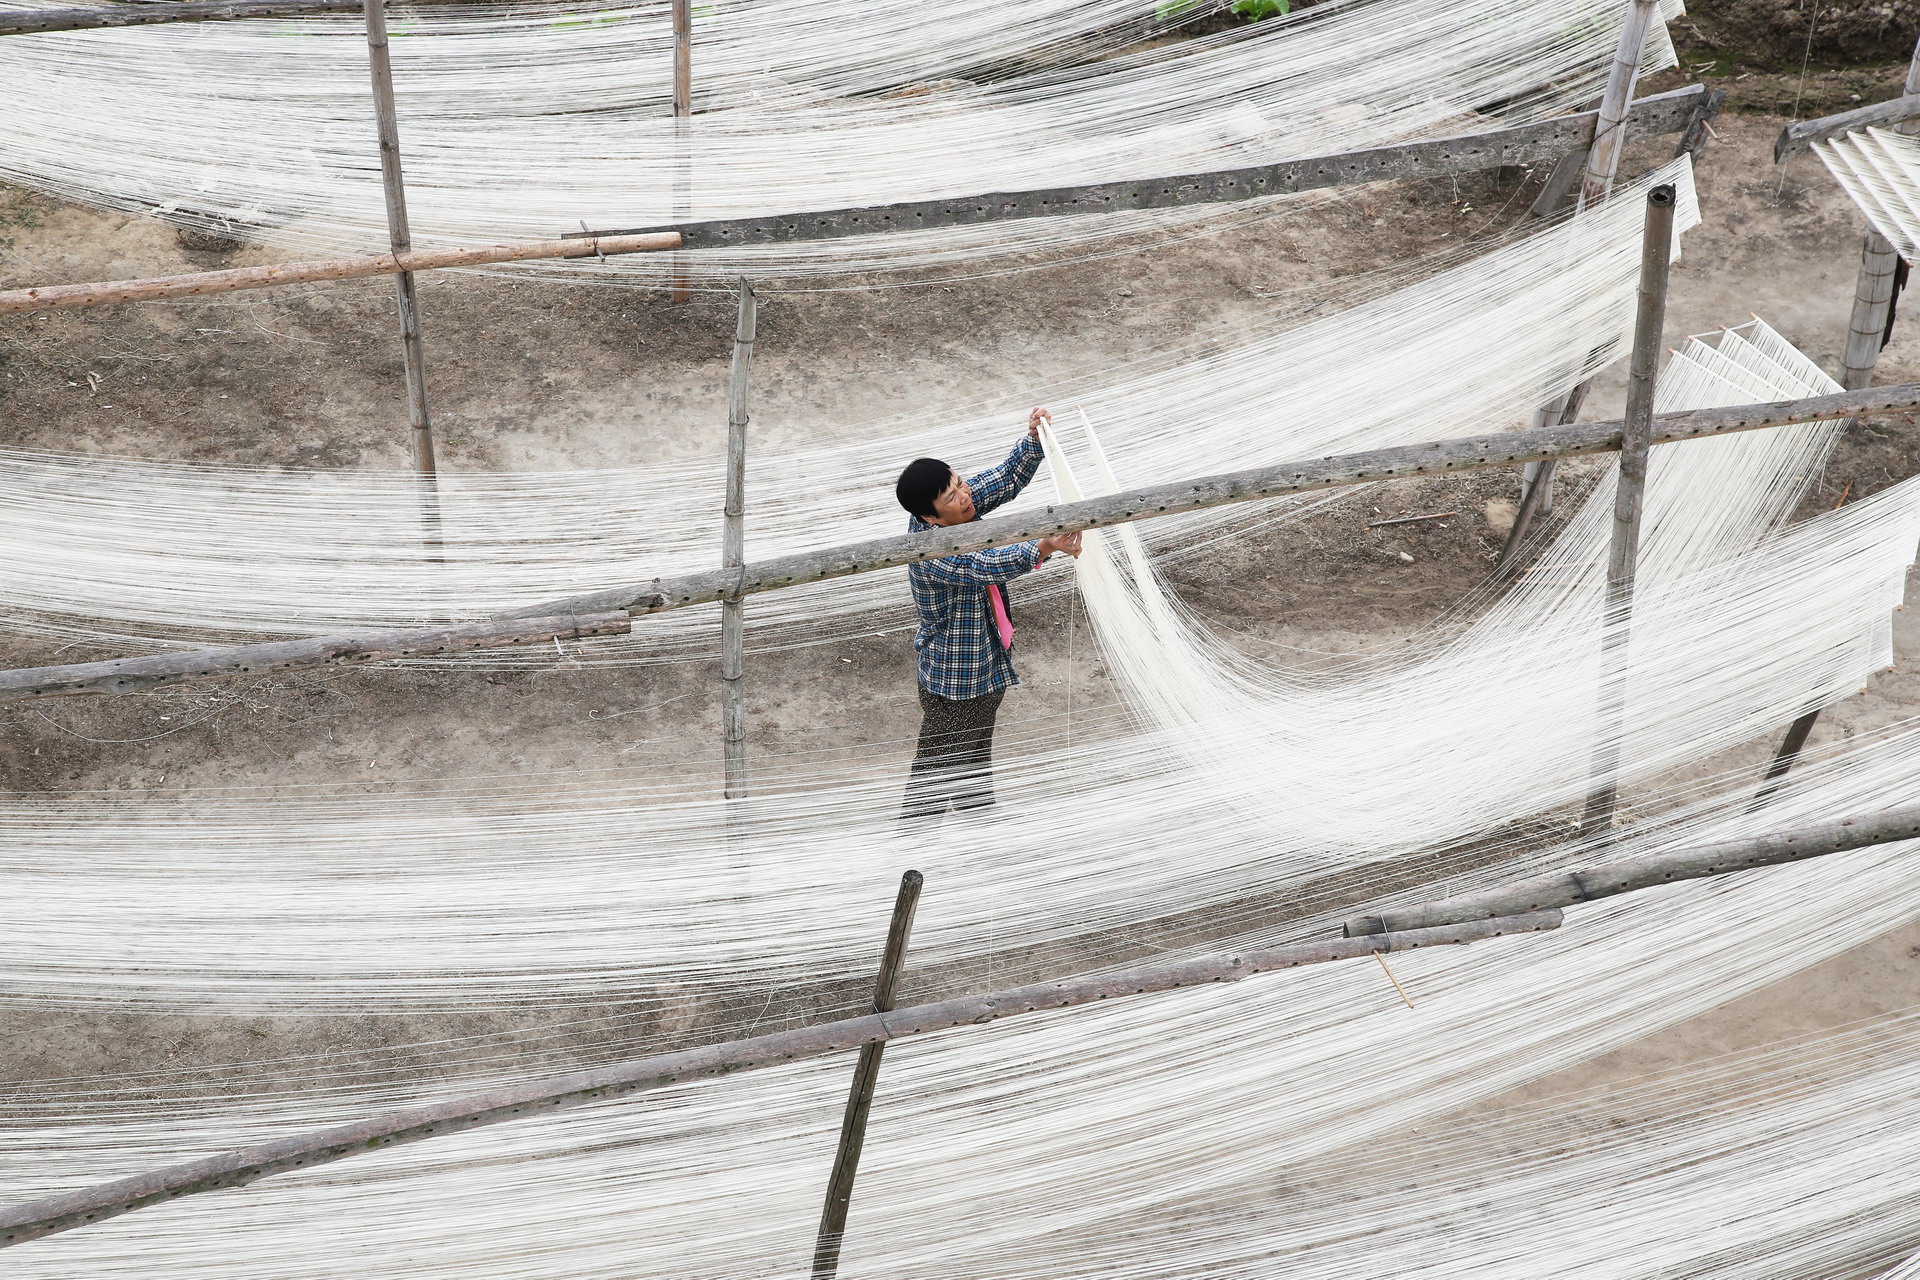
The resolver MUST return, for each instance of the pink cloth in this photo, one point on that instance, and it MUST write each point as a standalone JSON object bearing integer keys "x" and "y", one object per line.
{"x": 1000, "y": 619}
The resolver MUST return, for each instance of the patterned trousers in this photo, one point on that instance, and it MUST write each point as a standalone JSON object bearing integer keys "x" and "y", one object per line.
{"x": 954, "y": 764}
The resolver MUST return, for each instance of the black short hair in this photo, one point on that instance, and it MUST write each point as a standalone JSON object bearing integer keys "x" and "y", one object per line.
{"x": 924, "y": 480}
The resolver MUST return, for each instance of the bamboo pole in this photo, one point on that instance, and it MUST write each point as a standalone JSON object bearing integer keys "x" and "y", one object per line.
{"x": 683, "y": 113}
{"x": 1610, "y": 133}
{"x": 63, "y": 1212}
{"x": 683, "y": 58}
{"x": 1656, "y": 257}
{"x": 20, "y": 22}
{"x": 1873, "y": 294}
{"x": 866, "y": 1074}
{"x": 1444, "y": 457}
{"x": 733, "y": 552}
{"x": 113, "y": 292}
{"x": 1869, "y": 327}
{"x": 1650, "y": 871}
{"x": 400, "y": 236}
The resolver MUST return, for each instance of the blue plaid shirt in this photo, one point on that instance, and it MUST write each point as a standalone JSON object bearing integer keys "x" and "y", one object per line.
{"x": 957, "y": 645}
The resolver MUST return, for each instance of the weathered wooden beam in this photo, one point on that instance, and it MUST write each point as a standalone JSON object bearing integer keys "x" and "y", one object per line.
{"x": 1796, "y": 138}
{"x": 1693, "y": 139}
{"x": 1444, "y": 457}
{"x": 1791, "y": 745}
{"x": 135, "y": 675}
{"x": 32, "y": 1220}
{"x": 20, "y": 22}
{"x": 1629, "y": 503}
{"x": 1520, "y": 145}
{"x": 1628, "y": 875}
{"x": 112, "y": 292}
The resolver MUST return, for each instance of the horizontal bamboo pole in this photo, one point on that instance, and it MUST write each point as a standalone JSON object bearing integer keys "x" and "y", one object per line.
{"x": 1566, "y": 888}
{"x": 21, "y": 22}
{"x": 110, "y": 292}
{"x": 1443, "y": 457}
{"x": 44, "y": 1217}
{"x": 1799, "y": 137}
{"x": 132, "y": 675}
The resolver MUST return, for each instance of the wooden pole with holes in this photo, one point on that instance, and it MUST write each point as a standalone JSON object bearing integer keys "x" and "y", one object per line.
{"x": 733, "y": 552}
{"x": 1636, "y": 442}
{"x": 682, "y": 114}
{"x": 400, "y": 236}
{"x": 866, "y": 1074}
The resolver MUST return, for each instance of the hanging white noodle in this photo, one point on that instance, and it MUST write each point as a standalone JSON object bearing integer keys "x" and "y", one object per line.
{"x": 146, "y": 119}
{"x": 1880, "y": 169}
{"x": 1204, "y": 1100}
{"x": 121, "y": 549}
{"x": 464, "y": 899}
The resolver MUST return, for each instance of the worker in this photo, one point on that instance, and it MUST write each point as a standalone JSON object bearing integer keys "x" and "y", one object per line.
{"x": 963, "y": 647}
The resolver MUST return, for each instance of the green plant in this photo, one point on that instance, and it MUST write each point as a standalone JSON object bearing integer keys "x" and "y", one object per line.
{"x": 1254, "y": 10}
{"x": 21, "y": 212}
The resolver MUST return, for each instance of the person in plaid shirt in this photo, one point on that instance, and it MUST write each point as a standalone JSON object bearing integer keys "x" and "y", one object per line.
{"x": 964, "y": 644}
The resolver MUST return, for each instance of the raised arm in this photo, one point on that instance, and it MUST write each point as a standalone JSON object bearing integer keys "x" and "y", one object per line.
{"x": 1002, "y": 484}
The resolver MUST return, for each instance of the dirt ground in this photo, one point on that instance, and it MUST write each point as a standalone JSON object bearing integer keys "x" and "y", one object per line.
{"x": 536, "y": 375}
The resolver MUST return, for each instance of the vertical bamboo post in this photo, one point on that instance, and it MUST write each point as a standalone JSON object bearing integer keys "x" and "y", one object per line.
{"x": 1656, "y": 252}
{"x": 1538, "y": 500}
{"x": 1596, "y": 180}
{"x": 1869, "y": 326}
{"x": 733, "y": 551}
{"x": 1873, "y": 290}
{"x": 853, "y": 1127}
{"x": 682, "y": 112}
{"x": 399, "y": 234}
{"x": 1610, "y": 130}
